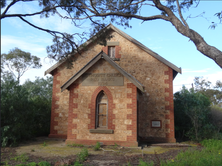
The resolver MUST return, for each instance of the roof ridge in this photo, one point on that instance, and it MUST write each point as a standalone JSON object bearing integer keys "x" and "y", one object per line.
{"x": 128, "y": 37}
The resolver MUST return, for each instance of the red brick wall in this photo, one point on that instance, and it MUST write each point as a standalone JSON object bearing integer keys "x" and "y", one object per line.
{"x": 72, "y": 115}
{"x": 117, "y": 54}
{"x": 55, "y": 89}
{"x": 92, "y": 107}
{"x": 105, "y": 49}
{"x": 93, "y": 142}
{"x": 171, "y": 135}
{"x": 133, "y": 116}
{"x": 117, "y": 49}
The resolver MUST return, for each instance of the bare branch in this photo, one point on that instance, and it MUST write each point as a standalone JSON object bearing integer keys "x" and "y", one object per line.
{"x": 180, "y": 14}
{"x": 12, "y": 3}
{"x": 33, "y": 14}
{"x": 155, "y": 17}
{"x": 85, "y": 7}
{"x": 93, "y": 6}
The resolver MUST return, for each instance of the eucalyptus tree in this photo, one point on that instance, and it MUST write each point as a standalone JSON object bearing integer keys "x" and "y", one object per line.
{"x": 214, "y": 93}
{"x": 195, "y": 108}
{"x": 18, "y": 62}
{"x": 102, "y": 12}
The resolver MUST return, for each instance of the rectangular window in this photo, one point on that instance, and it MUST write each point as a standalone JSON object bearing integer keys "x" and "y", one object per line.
{"x": 111, "y": 51}
{"x": 102, "y": 115}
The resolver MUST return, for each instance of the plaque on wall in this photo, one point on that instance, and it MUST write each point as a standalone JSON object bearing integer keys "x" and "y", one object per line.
{"x": 102, "y": 79}
{"x": 156, "y": 123}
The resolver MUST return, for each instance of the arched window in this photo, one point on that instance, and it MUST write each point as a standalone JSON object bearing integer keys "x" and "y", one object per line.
{"x": 101, "y": 110}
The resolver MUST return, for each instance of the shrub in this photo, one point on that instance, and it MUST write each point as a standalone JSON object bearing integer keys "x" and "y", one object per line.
{"x": 32, "y": 164}
{"x": 82, "y": 155}
{"x": 216, "y": 117}
{"x": 44, "y": 163}
{"x": 97, "y": 146}
{"x": 25, "y": 113}
{"x": 142, "y": 163}
{"x": 195, "y": 108}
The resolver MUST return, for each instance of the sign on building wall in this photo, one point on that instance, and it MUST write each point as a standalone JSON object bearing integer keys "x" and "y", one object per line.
{"x": 102, "y": 79}
{"x": 156, "y": 123}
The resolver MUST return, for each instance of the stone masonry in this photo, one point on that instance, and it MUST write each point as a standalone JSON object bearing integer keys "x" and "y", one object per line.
{"x": 130, "y": 111}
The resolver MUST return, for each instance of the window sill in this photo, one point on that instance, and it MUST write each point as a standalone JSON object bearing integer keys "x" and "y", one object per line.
{"x": 115, "y": 59}
{"x": 101, "y": 131}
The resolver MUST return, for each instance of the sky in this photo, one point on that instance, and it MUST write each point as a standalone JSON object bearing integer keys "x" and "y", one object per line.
{"x": 159, "y": 36}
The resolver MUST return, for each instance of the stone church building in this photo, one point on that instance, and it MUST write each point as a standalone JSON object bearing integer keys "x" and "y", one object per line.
{"x": 119, "y": 93}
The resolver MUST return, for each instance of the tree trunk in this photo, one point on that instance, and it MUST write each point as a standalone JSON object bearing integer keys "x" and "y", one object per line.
{"x": 201, "y": 45}
{"x": 183, "y": 28}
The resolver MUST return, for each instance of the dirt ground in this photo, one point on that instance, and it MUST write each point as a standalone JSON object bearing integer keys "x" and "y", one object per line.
{"x": 56, "y": 152}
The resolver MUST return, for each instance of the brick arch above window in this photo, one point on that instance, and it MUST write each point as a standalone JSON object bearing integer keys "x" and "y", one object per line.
{"x": 92, "y": 107}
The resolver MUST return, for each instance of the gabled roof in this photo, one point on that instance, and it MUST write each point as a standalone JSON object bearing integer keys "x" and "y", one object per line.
{"x": 92, "y": 62}
{"x": 137, "y": 43}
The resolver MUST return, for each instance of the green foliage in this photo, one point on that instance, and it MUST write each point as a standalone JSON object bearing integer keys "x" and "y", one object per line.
{"x": 97, "y": 146}
{"x": 214, "y": 93}
{"x": 194, "y": 107}
{"x": 216, "y": 117}
{"x": 211, "y": 155}
{"x": 77, "y": 164}
{"x": 75, "y": 145}
{"x": 44, "y": 144}
{"x": 18, "y": 62}
{"x": 212, "y": 144}
{"x": 143, "y": 163}
{"x": 128, "y": 164}
{"x": 25, "y": 113}
{"x": 82, "y": 155}
{"x": 44, "y": 163}
{"x": 2, "y": 3}
{"x": 32, "y": 164}
{"x": 115, "y": 145}
{"x": 22, "y": 158}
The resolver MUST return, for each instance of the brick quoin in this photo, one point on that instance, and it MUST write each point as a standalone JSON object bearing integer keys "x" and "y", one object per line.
{"x": 117, "y": 54}
{"x": 133, "y": 116}
{"x": 72, "y": 115}
{"x": 55, "y": 106}
{"x": 92, "y": 107}
{"x": 170, "y": 136}
{"x": 117, "y": 50}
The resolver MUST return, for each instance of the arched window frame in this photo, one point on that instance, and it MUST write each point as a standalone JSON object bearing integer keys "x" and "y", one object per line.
{"x": 99, "y": 102}
{"x": 92, "y": 106}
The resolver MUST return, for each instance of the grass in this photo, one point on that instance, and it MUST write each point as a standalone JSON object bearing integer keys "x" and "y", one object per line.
{"x": 210, "y": 155}
{"x": 116, "y": 145}
{"x": 81, "y": 157}
{"x": 75, "y": 145}
{"x": 142, "y": 163}
{"x": 44, "y": 144}
{"x": 22, "y": 158}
